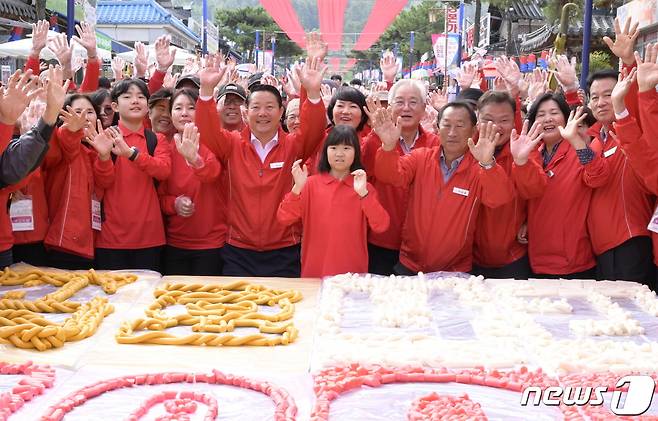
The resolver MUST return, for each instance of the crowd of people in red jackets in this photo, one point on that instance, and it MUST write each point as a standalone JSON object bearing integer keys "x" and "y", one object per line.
{"x": 218, "y": 172}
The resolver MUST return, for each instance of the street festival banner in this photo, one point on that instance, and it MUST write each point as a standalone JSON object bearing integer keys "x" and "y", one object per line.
{"x": 452, "y": 30}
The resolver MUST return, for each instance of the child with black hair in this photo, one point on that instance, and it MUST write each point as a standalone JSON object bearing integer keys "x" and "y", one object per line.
{"x": 132, "y": 233}
{"x": 336, "y": 208}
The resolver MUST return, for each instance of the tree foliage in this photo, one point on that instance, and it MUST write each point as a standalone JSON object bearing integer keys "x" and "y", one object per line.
{"x": 240, "y": 25}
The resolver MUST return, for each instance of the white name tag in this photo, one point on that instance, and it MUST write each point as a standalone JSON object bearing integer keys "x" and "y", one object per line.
{"x": 461, "y": 192}
{"x": 275, "y": 165}
{"x": 95, "y": 214}
{"x": 20, "y": 214}
{"x": 653, "y": 223}
{"x": 609, "y": 152}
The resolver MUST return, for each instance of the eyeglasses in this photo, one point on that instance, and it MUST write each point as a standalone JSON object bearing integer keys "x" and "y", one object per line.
{"x": 293, "y": 117}
{"x": 412, "y": 103}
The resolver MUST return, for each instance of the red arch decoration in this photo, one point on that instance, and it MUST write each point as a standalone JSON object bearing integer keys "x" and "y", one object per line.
{"x": 331, "y": 15}
{"x": 285, "y": 16}
{"x": 383, "y": 13}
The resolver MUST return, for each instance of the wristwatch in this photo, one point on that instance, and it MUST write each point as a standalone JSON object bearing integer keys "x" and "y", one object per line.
{"x": 490, "y": 165}
{"x": 134, "y": 154}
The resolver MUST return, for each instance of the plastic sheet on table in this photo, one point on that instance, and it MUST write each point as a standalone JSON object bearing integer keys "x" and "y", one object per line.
{"x": 126, "y": 294}
{"x": 392, "y": 402}
{"x": 558, "y": 324}
{"x": 234, "y": 403}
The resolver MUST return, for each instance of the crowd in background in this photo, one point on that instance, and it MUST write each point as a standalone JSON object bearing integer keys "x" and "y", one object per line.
{"x": 216, "y": 171}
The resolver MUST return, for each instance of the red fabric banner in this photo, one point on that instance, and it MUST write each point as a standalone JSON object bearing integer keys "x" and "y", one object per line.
{"x": 331, "y": 15}
{"x": 383, "y": 13}
{"x": 285, "y": 16}
{"x": 349, "y": 64}
{"x": 334, "y": 63}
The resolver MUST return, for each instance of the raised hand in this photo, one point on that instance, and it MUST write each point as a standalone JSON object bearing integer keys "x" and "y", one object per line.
{"x": 315, "y": 46}
{"x": 484, "y": 150}
{"x": 299, "y": 175}
{"x": 100, "y": 140}
{"x": 187, "y": 143}
{"x": 510, "y": 73}
{"x": 538, "y": 84}
{"x": 386, "y": 128}
{"x": 21, "y": 88}
{"x": 327, "y": 93}
{"x": 211, "y": 73}
{"x": 570, "y": 132}
{"x": 31, "y": 115}
{"x": 268, "y": 79}
{"x": 388, "y": 66}
{"x": 624, "y": 44}
{"x": 141, "y": 59}
{"x": 170, "y": 81}
{"x": 624, "y": 82}
{"x": 117, "y": 67}
{"x": 360, "y": 182}
{"x": 39, "y": 37}
{"x": 120, "y": 147}
{"x": 428, "y": 122}
{"x": 566, "y": 73}
{"x": 87, "y": 38}
{"x": 311, "y": 75}
{"x": 647, "y": 69}
{"x": 72, "y": 121}
{"x": 164, "y": 56}
{"x": 467, "y": 75}
{"x": 522, "y": 145}
{"x": 438, "y": 99}
{"x": 499, "y": 84}
{"x": 60, "y": 47}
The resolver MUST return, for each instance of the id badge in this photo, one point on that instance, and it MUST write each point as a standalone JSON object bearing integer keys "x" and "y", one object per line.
{"x": 21, "y": 214}
{"x": 95, "y": 213}
{"x": 653, "y": 223}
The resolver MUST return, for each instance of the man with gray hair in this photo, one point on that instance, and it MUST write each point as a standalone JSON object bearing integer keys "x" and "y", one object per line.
{"x": 406, "y": 99}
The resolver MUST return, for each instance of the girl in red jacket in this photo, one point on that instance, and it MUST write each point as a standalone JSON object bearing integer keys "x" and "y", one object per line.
{"x": 69, "y": 170}
{"x": 132, "y": 234}
{"x": 336, "y": 207}
{"x": 191, "y": 198}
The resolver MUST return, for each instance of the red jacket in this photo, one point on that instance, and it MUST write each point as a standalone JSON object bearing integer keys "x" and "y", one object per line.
{"x": 394, "y": 199}
{"x": 558, "y": 203}
{"x": 133, "y": 219}
{"x": 495, "y": 244}
{"x": 255, "y": 188}
{"x": 6, "y": 235}
{"x": 69, "y": 187}
{"x": 206, "y": 227}
{"x": 440, "y": 224}
{"x": 642, "y": 157}
{"x": 335, "y": 221}
{"x": 35, "y": 189}
{"x": 619, "y": 209}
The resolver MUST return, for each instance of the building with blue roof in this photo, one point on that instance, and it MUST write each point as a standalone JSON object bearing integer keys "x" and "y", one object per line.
{"x": 143, "y": 20}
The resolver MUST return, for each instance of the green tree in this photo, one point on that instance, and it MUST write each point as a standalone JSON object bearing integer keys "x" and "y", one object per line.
{"x": 240, "y": 25}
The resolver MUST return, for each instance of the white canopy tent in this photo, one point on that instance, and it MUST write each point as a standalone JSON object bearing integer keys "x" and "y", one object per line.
{"x": 181, "y": 55}
{"x": 21, "y": 49}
